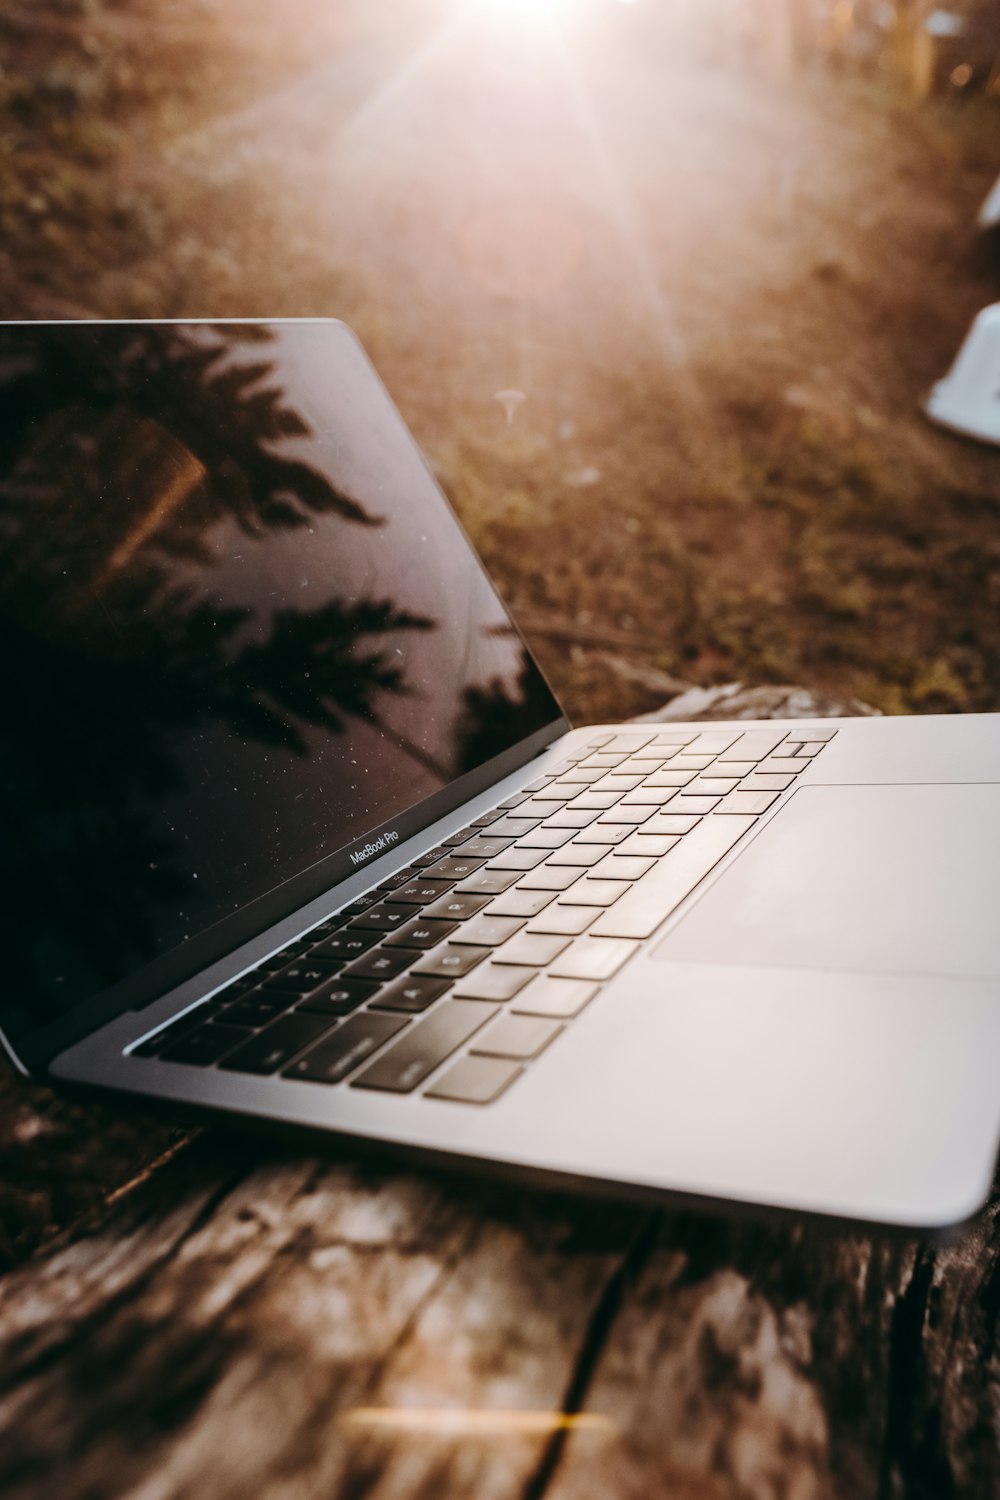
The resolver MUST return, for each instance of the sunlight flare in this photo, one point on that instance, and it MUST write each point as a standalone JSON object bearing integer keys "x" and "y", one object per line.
{"x": 459, "y": 1422}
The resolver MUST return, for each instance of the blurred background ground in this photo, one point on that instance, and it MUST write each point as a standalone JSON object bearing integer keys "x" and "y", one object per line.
{"x": 722, "y": 290}
{"x": 710, "y": 294}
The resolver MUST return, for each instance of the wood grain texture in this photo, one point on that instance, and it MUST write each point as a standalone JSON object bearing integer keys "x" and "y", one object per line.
{"x": 206, "y": 1317}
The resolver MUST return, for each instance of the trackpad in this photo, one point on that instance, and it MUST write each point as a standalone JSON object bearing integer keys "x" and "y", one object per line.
{"x": 881, "y": 879}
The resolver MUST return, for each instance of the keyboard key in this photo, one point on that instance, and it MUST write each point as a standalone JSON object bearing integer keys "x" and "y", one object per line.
{"x": 475, "y": 1080}
{"x": 339, "y": 997}
{"x": 414, "y": 993}
{"x": 381, "y": 918}
{"x": 421, "y": 933}
{"x": 486, "y": 819}
{"x": 668, "y": 737}
{"x": 573, "y": 817}
{"x": 237, "y": 989}
{"x": 568, "y": 789}
{"x": 653, "y": 796}
{"x": 810, "y": 750}
{"x": 787, "y": 767}
{"x": 748, "y": 802}
{"x": 651, "y": 900}
{"x": 559, "y": 998}
{"x": 671, "y": 823}
{"x": 401, "y": 877}
{"x": 765, "y": 783}
{"x": 427, "y": 888}
{"x": 543, "y": 807}
{"x": 592, "y": 958}
{"x": 629, "y": 741}
{"x": 258, "y": 1010}
{"x": 489, "y": 930}
{"x": 712, "y": 742}
{"x": 461, "y": 836}
{"x": 604, "y": 833}
{"x": 205, "y": 1044}
{"x": 304, "y": 975}
{"x": 449, "y": 870}
{"x": 786, "y": 748}
{"x": 279, "y": 961}
{"x": 648, "y": 845}
{"x": 272, "y": 1048}
{"x": 518, "y": 858}
{"x": 615, "y": 783}
{"x": 443, "y": 850}
{"x": 600, "y": 801}
{"x": 631, "y": 813}
{"x": 581, "y": 855}
{"x": 493, "y": 982}
{"x": 692, "y": 762}
{"x": 456, "y": 908}
{"x": 617, "y": 866}
{"x": 449, "y": 961}
{"x": 547, "y": 838}
{"x": 669, "y": 777}
{"x": 710, "y": 785}
{"x": 550, "y": 878}
{"x": 347, "y": 944}
{"x": 683, "y": 805}
{"x": 488, "y": 882}
{"x": 514, "y": 826}
{"x": 756, "y": 745}
{"x": 381, "y": 963}
{"x": 569, "y": 764}
{"x": 516, "y": 1037}
{"x": 815, "y": 736}
{"x": 570, "y": 920}
{"x": 520, "y": 903}
{"x": 324, "y": 929}
{"x": 534, "y": 949}
{"x": 589, "y": 892}
{"x": 640, "y": 765}
{"x": 346, "y": 1048}
{"x": 482, "y": 846}
{"x": 177, "y": 1029}
{"x": 424, "y": 1046}
{"x": 575, "y": 776}
{"x": 359, "y": 905}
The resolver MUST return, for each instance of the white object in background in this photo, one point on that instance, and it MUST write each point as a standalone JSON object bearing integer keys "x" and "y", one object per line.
{"x": 945, "y": 23}
{"x": 989, "y": 214}
{"x": 968, "y": 398}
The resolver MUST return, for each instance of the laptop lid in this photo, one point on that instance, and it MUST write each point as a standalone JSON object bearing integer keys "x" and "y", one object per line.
{"x": 247, "y": 647}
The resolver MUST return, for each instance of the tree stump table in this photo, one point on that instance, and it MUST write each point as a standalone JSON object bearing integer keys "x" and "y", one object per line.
{"x": 196, "y": 1314}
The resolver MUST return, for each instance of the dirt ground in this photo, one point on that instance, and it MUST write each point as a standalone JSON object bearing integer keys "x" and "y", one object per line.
{"x": 722, "y": 296}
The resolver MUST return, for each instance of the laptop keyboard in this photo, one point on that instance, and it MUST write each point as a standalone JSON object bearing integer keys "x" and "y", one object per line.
{"x": 484, "y": 949}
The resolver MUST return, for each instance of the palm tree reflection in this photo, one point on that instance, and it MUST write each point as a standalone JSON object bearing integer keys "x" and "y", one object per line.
{"x": 118, "y": 646}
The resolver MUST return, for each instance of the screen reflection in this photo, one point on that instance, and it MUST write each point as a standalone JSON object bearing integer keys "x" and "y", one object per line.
{"x": 241, "y": 629}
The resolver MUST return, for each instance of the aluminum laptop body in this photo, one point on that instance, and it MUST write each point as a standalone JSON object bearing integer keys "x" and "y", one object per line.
{"x": 297, "y": 832}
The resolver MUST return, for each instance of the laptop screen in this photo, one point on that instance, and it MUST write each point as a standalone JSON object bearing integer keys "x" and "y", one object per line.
{"x": 241, "y": 630}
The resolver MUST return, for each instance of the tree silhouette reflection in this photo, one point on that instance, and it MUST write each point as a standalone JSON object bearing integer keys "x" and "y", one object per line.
{"x": 116, "y": 643}
{"x": 492, "y": 715}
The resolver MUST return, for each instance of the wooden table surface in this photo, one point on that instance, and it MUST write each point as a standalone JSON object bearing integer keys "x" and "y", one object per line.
{"x": 200, "y": 1314}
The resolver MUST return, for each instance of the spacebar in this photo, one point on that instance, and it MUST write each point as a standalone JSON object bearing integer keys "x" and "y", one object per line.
{"x": 641, "y": 910}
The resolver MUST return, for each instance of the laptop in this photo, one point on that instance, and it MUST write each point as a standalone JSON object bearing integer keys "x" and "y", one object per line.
{"x": 297, "y": 833}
